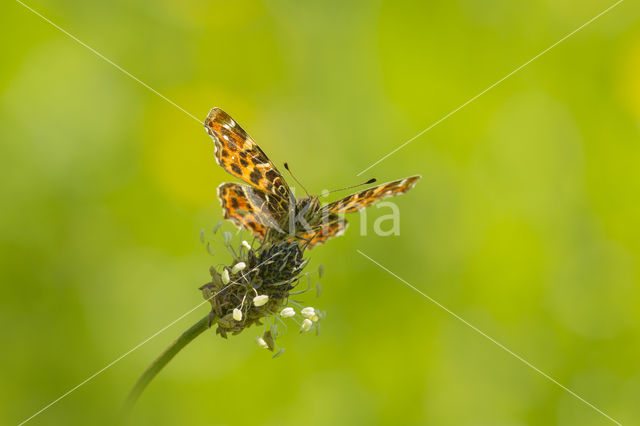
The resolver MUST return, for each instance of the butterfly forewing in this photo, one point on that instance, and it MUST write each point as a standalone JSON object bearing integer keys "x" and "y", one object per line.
{"x": 365, "y": 198}
{"x": 238, "y": 154}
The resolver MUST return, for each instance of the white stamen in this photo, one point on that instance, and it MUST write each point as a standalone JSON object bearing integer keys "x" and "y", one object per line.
{"x": 238, "y": 267}
{"x": 308, "y": 312}
{"x": 287, "y": 312}
{"x": 260, "y": 300}
{"x": 306, "y": 325}
{"x": 237, "y": 314}
{"x": 262, "y": 343}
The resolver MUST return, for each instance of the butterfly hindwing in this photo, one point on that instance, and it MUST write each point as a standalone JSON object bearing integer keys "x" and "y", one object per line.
{"x": 334, "y": 227}
{"x": 365, "y": 198}
{"x": 237, "y": 208}
{"x": 265, "y": 206}
{"x": 238, "y": 154}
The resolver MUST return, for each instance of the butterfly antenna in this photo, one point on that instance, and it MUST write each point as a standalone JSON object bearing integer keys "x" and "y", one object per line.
{"x": 372, "y": 180}
{"x": 286, "y": 166}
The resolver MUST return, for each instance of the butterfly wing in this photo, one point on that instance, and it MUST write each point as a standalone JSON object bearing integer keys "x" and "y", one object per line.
{"x": 238, "y": 154}
{"x": 238, "y": 209}
{"x": 334, "y": 227}
{"x": 265, "y": 207}
{"x": 362, "y": 199}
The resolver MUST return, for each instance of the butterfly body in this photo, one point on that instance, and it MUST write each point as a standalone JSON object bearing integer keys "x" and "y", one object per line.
{"x": 266, "y": 206}
{"x": 304, "y": 214}
{"x": 308, "y": 210}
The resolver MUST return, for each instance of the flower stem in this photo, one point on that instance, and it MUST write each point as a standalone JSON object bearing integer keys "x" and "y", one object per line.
{"x": 157, "y": 365}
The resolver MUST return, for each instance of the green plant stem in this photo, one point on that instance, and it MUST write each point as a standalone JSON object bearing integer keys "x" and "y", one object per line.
{"x": 157, "y": 365}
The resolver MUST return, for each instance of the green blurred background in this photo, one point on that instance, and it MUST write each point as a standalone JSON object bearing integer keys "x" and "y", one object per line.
{"x": 525, "y": 222}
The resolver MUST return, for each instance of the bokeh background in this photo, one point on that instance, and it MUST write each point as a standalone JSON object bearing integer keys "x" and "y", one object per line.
{"x": 526, "y": 221}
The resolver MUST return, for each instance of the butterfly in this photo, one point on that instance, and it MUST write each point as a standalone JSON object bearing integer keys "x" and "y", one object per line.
{"x": 265, "y": 205}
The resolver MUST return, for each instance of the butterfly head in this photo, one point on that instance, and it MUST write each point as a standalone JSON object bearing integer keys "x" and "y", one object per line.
{"x": 308, "y": 207}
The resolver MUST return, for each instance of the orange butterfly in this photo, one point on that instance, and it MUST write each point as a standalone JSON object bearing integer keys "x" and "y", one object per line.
{"x": 267, "y": 207}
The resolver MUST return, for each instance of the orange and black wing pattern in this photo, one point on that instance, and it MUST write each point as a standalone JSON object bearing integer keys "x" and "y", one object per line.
{"x": 238, "y": 209}
{"x": 238, "y": 154}
{"x": 334, "y": 227}
{"x": 362, "y": 199}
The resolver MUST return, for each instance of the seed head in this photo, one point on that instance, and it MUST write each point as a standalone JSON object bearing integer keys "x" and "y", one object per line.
{"x": 257, "y": 284}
